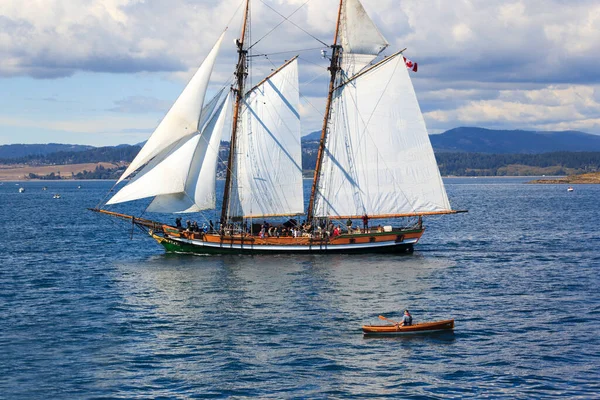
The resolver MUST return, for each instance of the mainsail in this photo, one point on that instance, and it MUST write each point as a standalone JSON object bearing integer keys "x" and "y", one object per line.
{"x": 183, "y": 117}
{"x": 267, "y": 172}
{"x": 378, "y": 159}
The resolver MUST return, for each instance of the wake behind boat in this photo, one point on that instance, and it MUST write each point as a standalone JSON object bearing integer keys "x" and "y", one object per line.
{"x": 374, "y": 161}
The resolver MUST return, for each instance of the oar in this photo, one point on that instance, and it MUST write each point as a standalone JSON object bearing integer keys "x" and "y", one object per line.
{"x": 389, "y": 320}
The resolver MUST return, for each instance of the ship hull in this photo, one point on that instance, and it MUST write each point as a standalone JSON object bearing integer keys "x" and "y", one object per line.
{"x": 395, "y": 242}
{"x": 425, "y": 327}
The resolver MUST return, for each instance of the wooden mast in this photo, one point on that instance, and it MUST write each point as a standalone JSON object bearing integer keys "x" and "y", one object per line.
{"x": 241, "y": 73}
{"x": 333, "y": 69}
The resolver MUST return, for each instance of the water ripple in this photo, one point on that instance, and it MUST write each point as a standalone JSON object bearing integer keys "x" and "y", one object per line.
{"x": 88, "y": 313}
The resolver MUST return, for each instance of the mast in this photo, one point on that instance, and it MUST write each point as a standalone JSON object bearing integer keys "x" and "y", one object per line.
{"x": 333, "y": 69}
{"x": 241, "y": 73}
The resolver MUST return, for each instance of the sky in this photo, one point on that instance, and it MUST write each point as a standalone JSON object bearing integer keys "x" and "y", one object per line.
{"x": 105, "y": 72}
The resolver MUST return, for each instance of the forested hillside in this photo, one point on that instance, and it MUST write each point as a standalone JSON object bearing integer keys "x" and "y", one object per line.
{"x": 458, "y": 163}
{"x": 478, "y": 164}
{"x": 95, "y": 154}
{"x": 12, "y": 151}
{"x": 480, "y": 140}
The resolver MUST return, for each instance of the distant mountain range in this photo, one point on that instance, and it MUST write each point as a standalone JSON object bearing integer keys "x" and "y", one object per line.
{"x": 480, "y": 140}
{"x": 23, "y": 150}
{"x": 458, "y": 140}
{"x": 312, "y": 137}
{"x": 460, "y": 151}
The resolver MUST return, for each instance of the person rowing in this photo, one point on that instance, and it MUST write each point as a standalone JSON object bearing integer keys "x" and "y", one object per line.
{"x": 406, "y": 319}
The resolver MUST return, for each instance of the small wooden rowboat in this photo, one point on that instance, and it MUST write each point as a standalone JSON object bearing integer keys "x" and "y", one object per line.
{"x": 424, "y": 327}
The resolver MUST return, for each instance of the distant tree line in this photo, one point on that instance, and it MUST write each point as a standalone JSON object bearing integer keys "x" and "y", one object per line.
{"x": 100, "y": 173}
{"x": 459, "y": 164}
{"x": 50, "y": 177}
{"x": 100, "y": 154}
{"x": 478, "y": 164}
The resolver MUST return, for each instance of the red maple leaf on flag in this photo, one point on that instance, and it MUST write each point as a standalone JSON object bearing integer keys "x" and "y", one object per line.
{"x": 410, "y": 65}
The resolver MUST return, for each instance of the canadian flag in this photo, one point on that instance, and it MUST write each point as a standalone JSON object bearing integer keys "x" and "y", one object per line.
{"x": 410, "y": 65}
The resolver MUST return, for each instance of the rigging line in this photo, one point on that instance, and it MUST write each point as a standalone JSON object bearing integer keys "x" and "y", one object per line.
{"x": 314, "y": 79}
{"x": 300, "y": 84}
{"x": 368, "y": 134}
{"x": 312, "y": 105}
{"x": 279, "y": 24}
{"x": 229, "y": 167}
{"x": 234, "y": 14}
{"x": 106, "y": 195}
{"x": 314, "y": 63}
{"x": 288, "y": 19}
{"x": 285, "y": 52}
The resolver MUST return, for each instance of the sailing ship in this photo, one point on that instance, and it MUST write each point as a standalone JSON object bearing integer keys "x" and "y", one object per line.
{"x": 374, "y": 161}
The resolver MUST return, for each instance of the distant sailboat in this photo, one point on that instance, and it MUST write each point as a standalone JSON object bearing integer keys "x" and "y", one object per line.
{"x": 375, "y": 160}
{"x": 570, "y": 189}
{"x": 56, "y": 196}
{"x": 21, "y": 190}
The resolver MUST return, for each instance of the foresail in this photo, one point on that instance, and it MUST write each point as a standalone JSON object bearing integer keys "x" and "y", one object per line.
{"x": 182, "y": 119}
{"x": 267, "y": 176}
{"x": 209, "y": 110}
{"x": 378, "y": 159}
{"x": 361, "y": 40}
{"x": 199, "y": 192}
{"x": 166, "y": 173}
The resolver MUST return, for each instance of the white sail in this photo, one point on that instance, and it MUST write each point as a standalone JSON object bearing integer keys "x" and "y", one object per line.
{"x": 378, "y": 158}
{"x": 166, "y": 173}
{"x": 182, "y": 177}
{"x": 360, "y": 39}
{"x": 267, "y": 178}
{"x": 183, "y": 117}
{"x": 199, "y": 193}
{"x": 209, "y": 110}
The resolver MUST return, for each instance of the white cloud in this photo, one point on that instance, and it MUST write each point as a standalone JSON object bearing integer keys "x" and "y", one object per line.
{"x": 88, "y": 125}
{"x": 487, "y": 62}
{"x": 550, "y": 108}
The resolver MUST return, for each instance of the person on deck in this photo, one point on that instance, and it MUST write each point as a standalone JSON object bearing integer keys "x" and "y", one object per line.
{"x": 262, "y": 231}
{"x": 178, "y": 223}
{"x": 349, "y": 225}
{"x": 336, "y": 231}
{"x": 406, "y": 319}
{"x": 365, "y": 219}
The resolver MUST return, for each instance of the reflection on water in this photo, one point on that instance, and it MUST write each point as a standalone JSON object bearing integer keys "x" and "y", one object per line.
{"x": 432, "y": 338}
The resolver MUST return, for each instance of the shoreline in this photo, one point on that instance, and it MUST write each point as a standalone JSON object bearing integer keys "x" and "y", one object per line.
{"x": 592, "y": 178}
{"x": 542, "y": 178}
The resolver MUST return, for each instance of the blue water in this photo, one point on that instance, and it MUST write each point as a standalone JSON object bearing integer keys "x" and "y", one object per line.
{"x": 88, "y": 312}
